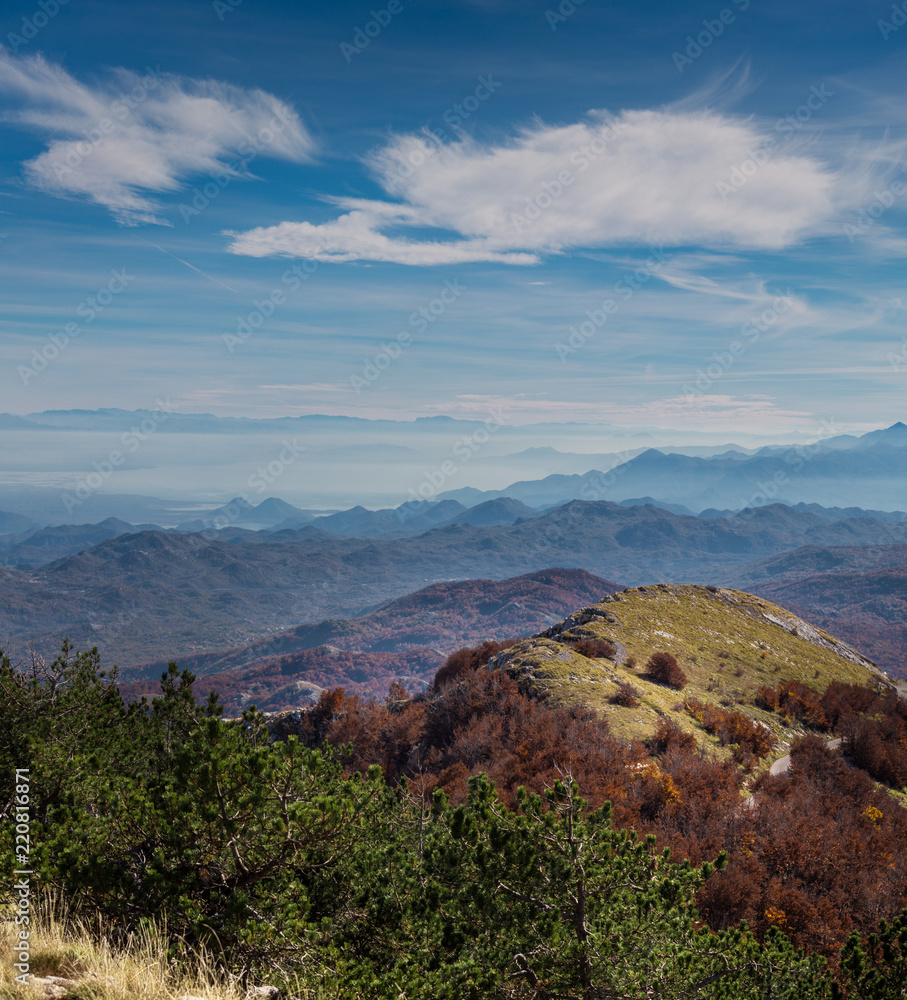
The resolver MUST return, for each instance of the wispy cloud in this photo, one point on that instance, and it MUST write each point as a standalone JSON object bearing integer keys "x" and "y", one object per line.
{"x": 698, "y": 413}
{"x": 658, "y": 177}
{"x": 122, "y": 140}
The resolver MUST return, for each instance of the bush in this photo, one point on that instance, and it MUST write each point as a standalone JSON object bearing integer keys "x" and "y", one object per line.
{"x": 664, "y": 668}
{"x": 468, "y": 659}
{"x": 796, "y": 700}
{"x": 733, "y": 729}
{"x": 626, "y": 695}
{"x": 595, "y": 649}
{"x": 669, "y": 736}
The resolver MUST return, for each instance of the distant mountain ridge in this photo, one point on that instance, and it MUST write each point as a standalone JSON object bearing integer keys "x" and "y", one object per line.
{"x": 842, "y": 470}
{"x": 414, "y": 633}
{"x": 157, "y": 594}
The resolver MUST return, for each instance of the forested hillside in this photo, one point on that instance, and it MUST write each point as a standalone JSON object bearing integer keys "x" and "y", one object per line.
{"x": 474, "y": 841}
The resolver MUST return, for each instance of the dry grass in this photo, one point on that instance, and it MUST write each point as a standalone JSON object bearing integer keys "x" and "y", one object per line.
{"x": 728, "y": 643}
{"x": 137, "y": 970}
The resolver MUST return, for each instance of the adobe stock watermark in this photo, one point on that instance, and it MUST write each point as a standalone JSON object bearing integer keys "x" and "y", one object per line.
{"x": 464, "y": 449}
{"x": 625, "y": 288}
{"x": 750, "y": 332}
{"x": 870, "y": 215}
{"x": 130, "y": 442}
{"x": 364, "y": 34}
{"x": 87, "y": 310}
{"x": 784, "y": 129}
{"x": 224, "y": 7}
{"x": 420, "y": 320}
{"x": 250, "y": 148}
{"x": 898, "y": 18}
{"x": 565, "y": 10}
{"x": 711, "y": 30}
{"x": 455, "y": 116}
{"x": 290, "y": 281}
{"x": 44, "y": 13}
{"x": 899, "y": 360}
{"x": 117, "y": 112}
{"x": 797, "y": 458}
{"x": 554, "y": 187}
{"x": 22, "y": 888}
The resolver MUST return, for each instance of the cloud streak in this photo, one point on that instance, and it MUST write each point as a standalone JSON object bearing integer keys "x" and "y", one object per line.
{"x": 657, "y": 177}
{"x": 119, "y": 142}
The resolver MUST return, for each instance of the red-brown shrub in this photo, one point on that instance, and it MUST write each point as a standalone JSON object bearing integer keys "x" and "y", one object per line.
{"x": 664, "y": 668}
{"x": 846, "y": 699}
{"x": 796, "y": 700}
{"x": 732, "y": 728}
{"x": 669, "y": 736}
{"x": 625, "y": 695}
{"x": 595, "y": 649}
{"x": 469, "y": 659}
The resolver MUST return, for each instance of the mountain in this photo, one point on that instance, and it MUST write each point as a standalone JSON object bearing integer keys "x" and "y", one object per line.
{"x": 411, "y": 518}
{"x": 153, "y": 595}
{"x": 14, "y": 524}
{"x": 728, "y": 644}
{"x": 674, "y": 508}
{"x": 808, "y": 560}
{"x": 504, "y": 510}
{"x": 829, "y": 513}
{"x": 842, "y": 470}
{"x": 271, "y": 512}
{"x": 868, "y": 608}
{"x": 412, "y": 634}
{"x": 221, "y": 517}
{"x": 41, "y": 546}
{"x": 47, "y": 505}
{"x": 894, "y": 437}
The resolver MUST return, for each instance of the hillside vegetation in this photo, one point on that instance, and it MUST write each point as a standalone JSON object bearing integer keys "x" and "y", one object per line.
{"x": 496, "y": 836}
{"x": 728, "y": 644}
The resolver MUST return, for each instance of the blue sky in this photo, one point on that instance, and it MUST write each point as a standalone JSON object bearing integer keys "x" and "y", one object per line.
{"x": 672, "y": 216}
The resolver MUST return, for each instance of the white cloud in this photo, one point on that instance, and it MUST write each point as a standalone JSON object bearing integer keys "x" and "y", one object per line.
{"x": 355, "y": 236}
{"x": 670, "y": 177}
{"x": 118, "y": 142}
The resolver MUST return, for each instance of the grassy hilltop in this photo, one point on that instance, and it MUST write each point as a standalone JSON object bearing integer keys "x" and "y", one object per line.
{"x": 728, "y": 643}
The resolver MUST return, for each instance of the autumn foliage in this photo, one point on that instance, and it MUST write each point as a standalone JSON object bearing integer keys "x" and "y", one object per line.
{"x": 664, "y": 669}
{"x": 594, "y": 648}
{"x": 732, "y": 728}
{"x": 820, "y": 852}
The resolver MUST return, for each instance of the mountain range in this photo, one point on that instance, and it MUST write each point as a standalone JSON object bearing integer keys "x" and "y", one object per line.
{"x": 843, "y": 469}
{"x": 154, "y": 595}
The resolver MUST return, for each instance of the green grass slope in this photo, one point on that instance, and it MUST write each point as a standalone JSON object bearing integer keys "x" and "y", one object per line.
{"x": 727, "y": 642}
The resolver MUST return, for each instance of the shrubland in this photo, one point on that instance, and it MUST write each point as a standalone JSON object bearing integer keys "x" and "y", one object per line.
{"x": 472, "y": 841}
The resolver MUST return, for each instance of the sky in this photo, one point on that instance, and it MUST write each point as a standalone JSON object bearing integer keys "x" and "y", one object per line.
{"x": 662, "y": 218}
